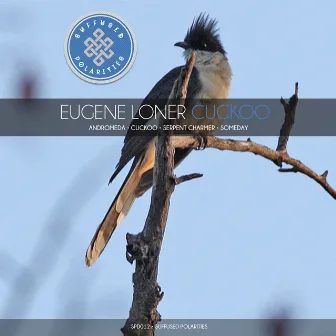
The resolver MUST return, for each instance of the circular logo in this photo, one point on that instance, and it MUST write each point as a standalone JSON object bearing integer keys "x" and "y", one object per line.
{"x": 100, "y": 47}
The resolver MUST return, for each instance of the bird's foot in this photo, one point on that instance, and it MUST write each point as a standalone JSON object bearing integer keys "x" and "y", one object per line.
{"x": 202, "y": 141}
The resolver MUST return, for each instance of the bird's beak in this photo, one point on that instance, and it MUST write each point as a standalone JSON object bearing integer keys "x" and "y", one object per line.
{"x": 183, "y": 45}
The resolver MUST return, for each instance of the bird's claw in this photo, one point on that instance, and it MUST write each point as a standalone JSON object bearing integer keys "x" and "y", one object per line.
{"x": 202, "y": 142}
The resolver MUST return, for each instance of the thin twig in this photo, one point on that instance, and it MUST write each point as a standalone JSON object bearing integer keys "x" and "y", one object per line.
{"x": 185, "y": 178}
{"x": 188, "y": 69}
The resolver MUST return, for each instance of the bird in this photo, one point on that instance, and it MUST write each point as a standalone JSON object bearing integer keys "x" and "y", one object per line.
{"x": 210, "y": 79}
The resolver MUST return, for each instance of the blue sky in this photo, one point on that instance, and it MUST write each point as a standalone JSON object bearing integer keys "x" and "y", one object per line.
{"x": 240, "y": 241}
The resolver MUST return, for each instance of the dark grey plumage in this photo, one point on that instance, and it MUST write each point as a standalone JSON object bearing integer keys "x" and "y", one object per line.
{"x": 159, "y": 94}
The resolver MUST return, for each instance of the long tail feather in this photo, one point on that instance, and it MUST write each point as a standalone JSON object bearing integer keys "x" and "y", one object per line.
{"x": 115, "y": 215}
{"x": 137, "y": 182}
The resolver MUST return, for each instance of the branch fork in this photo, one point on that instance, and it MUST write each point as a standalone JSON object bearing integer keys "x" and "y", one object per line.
{"x": 145, "y": 247}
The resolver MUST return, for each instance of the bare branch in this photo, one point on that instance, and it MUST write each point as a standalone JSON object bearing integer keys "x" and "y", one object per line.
{"x": 290, "y": 109}
{"x": 257, "y": 149}
{"x": 185, "y": 178}
{"x": 145, "y": 247}
{"x": 185, "y": 81}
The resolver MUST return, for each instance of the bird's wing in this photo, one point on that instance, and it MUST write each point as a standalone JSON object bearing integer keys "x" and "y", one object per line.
{"x": 135, "y": 145}
{"x": 140, "y": 176}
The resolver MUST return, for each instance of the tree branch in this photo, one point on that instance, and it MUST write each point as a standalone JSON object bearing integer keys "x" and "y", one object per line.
{"x": 185, "y": 178}
{"x": 277, "y": 156}
{"x": 261, "y": 150}
{"x": 290, "y": 109}
{"x": 145, "y": 247}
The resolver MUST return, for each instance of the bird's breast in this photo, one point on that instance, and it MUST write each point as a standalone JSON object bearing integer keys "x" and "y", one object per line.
{"x": 215, "y": 79}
